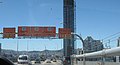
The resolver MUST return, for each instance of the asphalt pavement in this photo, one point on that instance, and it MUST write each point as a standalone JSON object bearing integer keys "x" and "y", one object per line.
{"x": 58, "y": 62}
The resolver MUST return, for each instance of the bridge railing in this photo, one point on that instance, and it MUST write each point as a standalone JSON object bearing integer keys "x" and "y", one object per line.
{"x": 99, "y": 54}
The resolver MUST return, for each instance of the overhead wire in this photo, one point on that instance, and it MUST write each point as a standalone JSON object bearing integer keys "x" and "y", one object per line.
{"x": 111, "y": 35}
{"x": 109, "y": 38}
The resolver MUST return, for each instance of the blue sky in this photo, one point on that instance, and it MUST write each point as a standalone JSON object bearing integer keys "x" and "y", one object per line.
{"x": 96, "y": 18}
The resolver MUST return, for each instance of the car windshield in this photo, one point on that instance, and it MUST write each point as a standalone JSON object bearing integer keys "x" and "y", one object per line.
{"x": 23, "y": 58}
{"x": 60, "y": 31}
{"x": 37, "y": 59}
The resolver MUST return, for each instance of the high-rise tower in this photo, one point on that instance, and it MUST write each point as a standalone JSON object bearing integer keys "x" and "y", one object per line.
{"x": 69, "y": 22}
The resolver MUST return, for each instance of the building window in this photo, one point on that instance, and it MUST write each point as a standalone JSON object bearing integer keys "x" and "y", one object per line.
{"x": 36, "y": 28}
{"x": 30, "y": 28}
{"x": 50, "y": 29}
{"x": 23, "y": 28}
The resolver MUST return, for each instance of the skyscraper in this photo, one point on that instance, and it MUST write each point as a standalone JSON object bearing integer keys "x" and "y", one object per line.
{"x": 69, "y": 22}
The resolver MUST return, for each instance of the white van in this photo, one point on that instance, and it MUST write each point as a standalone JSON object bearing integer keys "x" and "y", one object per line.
{"x": 24, "y": 59}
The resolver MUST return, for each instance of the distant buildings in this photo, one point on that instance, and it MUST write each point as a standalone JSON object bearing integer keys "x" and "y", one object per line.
{"x": 91, "y": 45}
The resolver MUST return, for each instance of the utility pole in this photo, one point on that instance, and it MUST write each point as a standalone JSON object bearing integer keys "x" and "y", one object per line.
{"x": 118, "y": 45}
{"x": 17, "y": 47}
{"x": 27, "y": 46}
{"x": 109, "y": 44}
{"x": 0, "y": 49}
{"x": 118, "y": 42}
{"x": 45, "y": 52}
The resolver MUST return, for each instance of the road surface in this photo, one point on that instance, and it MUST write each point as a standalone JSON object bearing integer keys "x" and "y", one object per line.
{"x": 45, "y": 63}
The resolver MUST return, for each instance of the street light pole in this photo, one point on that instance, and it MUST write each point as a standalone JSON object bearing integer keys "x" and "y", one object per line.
{"x": 17, "y": 47}
{"x": 61, "y": 40}
{"x": 80, "y": 39}
{"x": 27, "y": 46}
{"x": 82, "y": 45}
